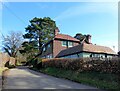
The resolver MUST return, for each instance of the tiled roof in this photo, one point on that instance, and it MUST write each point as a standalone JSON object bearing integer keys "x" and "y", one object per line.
{"x": 87, "y": 48}
{"x": 97, "y": 48}
{"x": 66, "y": 37}
{"x": 70, "y": 50}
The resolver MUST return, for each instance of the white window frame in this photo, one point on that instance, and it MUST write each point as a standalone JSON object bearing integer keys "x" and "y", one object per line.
{"x": 48, "y": 46}
{"x": 63, "y": 43}
{"x": 44, "y": 49}
{"x": 69, "y": 44}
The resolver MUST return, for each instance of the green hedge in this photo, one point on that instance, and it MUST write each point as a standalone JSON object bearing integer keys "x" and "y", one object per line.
{"x": 35, "y": 62}
{"x": 85, "y": 64}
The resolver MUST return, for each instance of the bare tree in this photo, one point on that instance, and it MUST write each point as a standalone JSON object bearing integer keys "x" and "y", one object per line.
{"x": 12, "y": 43}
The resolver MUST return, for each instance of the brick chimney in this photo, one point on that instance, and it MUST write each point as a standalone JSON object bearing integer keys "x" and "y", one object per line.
{"x": 57, "y": 31}
{"x": 89, "y": 38}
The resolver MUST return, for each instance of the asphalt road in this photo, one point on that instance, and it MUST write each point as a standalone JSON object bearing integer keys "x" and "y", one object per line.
{"x": 24, "y": 78}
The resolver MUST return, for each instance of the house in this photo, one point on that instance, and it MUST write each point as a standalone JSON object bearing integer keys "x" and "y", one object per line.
{"x": 119, "y": 54}
{"x": 87, "y": 50}
{"x": 65, "y": 46}
{"x": 60, "y": 42}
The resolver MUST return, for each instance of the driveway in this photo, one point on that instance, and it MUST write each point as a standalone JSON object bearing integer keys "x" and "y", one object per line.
{"x": 24, "y": 78}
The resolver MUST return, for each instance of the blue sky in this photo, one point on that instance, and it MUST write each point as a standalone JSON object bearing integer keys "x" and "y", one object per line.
{"x": 98, "y": 19}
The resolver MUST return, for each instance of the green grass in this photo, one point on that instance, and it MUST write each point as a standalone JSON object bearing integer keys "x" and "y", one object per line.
{"x": 99, "y": 80}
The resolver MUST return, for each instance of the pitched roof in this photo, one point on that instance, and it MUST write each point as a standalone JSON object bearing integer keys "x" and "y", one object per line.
{"x": 66, "y": 37}
{"x": 86, "y": 48}
{"x": 70, "y": 50}
{"x": 97, "y": 48}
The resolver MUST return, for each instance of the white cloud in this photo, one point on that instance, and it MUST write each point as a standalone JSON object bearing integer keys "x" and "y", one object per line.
{"x": 111, "y": 8}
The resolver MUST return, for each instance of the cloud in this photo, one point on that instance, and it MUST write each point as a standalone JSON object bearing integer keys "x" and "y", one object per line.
{"x": 87, "y": 8}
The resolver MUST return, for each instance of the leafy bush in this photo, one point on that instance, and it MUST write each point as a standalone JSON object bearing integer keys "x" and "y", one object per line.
{"x": 35, "y": 63}
{"x": 11, "y": 66}
{"x": 84, "y": 64}
{"x": 39, "y": 63}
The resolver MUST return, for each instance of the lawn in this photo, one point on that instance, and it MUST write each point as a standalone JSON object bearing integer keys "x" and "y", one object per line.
{"x": 99, "y": 80}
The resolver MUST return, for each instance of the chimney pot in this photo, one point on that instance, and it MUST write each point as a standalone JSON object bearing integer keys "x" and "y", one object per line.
{"x": 89, "y": 38}
{"x": 57, "y": 31}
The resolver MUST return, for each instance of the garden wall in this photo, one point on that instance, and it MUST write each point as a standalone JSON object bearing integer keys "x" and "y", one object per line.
{"x": 5, "y": 58}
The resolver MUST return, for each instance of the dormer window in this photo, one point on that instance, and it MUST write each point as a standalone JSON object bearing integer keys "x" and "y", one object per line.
{"x": 70, "y": 44}
{"x": 64, "y": 43}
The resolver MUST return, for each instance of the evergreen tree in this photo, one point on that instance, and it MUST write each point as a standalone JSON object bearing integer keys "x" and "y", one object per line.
{"x": 39, "y": 32}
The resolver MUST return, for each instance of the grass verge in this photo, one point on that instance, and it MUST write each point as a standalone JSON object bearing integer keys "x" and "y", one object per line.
{"x": 99, "y": 80}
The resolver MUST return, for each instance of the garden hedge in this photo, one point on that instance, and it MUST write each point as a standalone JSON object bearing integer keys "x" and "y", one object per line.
{"x": 111, "y": 65}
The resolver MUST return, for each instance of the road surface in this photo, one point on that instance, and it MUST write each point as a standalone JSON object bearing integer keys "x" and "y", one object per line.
{"x": 24, "y": 78}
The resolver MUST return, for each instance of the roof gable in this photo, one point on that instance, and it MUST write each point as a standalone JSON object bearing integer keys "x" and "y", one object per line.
{"x": 66, "y": 37}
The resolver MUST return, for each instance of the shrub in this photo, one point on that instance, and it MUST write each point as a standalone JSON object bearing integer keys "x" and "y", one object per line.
{"x": 11, "y": 66}
{"x": 84, "y": 64}
{"x": 35, "y": 63}
{"x": 39, "y": 63}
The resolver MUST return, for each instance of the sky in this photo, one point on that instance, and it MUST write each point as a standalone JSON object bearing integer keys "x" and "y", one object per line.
{"x": 99, "y": 19}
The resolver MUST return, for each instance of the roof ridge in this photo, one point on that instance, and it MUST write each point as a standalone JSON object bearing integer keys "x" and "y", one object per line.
{"x": 98, "y": 45}
{"x": 66, "y": 36}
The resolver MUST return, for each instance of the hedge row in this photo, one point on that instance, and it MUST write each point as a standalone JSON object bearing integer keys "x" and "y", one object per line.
{"x": 85, "y": 64}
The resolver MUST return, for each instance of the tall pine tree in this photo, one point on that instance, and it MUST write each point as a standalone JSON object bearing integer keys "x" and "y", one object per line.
{"x": 39, "y": 32}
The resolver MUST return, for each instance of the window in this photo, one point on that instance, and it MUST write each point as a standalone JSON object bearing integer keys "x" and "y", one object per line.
{"x": 97, "y": 55}
{"x": 105, "y": 55}
{"x": 48, "y": 45}
{"x": 74, "y": 56}
{"x": 91, "y": 55}
{"x": 44, "y": 49}
{"x": 64, "y": 43}
{"x": 70, "y": 44}
{"x": 80, "y": 55}
{"x": 50, "y": 56}
{"x": 43, "y": 57}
